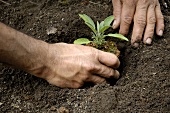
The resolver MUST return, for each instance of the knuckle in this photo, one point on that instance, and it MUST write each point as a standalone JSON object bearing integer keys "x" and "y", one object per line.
{"x": 158, "y": 5}
{"x": 94, "y": 52}
{"x": 130, "y": 3}
{"x": 141, "y": 21}
{"x": 152, "y": 20}
{"x": 144, "y": 2}
{"x": 111, "y": 72}
{"x": 152, "y": 4}
{"x": 143, "y": 7}
{"x": 90, "y": 67}
{"x": 127, "y": 20}
{"x": 102, "y": 70}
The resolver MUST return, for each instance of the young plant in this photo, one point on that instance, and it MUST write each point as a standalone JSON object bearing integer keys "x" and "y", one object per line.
{"x": 98, "y": 31}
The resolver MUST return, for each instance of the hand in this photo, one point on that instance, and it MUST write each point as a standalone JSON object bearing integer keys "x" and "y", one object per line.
{"x": 69, "y": 65}
{"x": 63, "y": 65}
{"x": 146, "y": 14}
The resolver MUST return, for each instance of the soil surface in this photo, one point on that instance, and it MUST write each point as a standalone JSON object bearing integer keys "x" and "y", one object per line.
{"x": 144, "y": 85}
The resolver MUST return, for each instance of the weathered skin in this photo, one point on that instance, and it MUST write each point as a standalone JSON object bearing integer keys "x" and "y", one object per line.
{"x": 146, "y": 15}
{"x": 61, "y": 64}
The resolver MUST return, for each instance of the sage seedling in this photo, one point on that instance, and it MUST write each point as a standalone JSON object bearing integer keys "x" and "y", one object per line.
{"x": 98, "y": 31}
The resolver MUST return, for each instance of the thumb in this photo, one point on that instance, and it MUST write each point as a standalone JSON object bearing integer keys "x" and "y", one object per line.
{"x": 108, "y": 59}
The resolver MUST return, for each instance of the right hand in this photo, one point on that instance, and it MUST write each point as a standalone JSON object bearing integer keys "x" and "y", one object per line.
{"x": 146, "y": 15}
{"x": 70, "y": 65}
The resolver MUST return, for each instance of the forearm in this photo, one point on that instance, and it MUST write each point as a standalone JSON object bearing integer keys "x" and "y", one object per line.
{"x": 20, "y": 50}
{"x": 61, "y": 64}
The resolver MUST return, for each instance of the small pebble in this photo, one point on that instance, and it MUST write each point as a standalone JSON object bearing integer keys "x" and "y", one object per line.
{"x": 53, "y": 108}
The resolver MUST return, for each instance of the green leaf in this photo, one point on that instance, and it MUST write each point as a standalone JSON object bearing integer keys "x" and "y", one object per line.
{"x": 87, "y": 19}
{"x": 108, "y": 20}
{"x": 104, "y": 29}
{"x": 101, "y": 25}
{"x": 91, "y": 27}
{"x": 82, "y": 41}
{"x": 118, "y": 36}
{"x": 98, "y": 26}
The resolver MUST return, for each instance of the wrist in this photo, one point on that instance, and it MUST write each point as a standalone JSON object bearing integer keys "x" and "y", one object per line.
{"x": 36, "y": 58}
{"x": 20, "y": 50}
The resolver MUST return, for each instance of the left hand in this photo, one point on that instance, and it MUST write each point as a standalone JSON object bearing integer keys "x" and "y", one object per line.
{"x": 146, "y": 14}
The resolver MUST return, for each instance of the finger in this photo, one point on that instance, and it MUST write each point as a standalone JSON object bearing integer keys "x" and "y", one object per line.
{"x": 108, "y": 59}
{"x": 64, "y": 83}
{"x": 127, "y": 14}
{"x": 105, "y": 71}
{"x": 95, "y": 79}
{"x": 151, "y": 20}
{"x": 159, "y": 20}
{"x": 139, "y": 22}
{"x": 116, "y": 12}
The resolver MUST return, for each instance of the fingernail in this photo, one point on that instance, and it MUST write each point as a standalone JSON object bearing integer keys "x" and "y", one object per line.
{"x": 114, "y": 24}
{"x": 136, "y": 44}
{"x": 160, "y": 32}
{"x": 149, "y": 41}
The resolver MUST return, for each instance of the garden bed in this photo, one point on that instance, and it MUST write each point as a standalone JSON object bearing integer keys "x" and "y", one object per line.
{"x": 144, "y": 85}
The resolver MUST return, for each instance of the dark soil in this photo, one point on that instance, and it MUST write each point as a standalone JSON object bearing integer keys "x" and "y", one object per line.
{"x": 144, "y": 85}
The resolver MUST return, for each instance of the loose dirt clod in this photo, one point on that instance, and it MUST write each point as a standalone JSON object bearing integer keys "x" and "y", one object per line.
{"x": 62, "y": 110}
{"x": 51, "y": 30}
